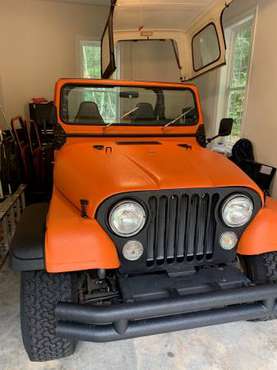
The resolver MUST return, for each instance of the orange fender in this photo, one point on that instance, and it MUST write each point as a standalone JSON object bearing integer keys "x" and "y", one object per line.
{"x": 261, "y": 235}
{"x": 74, "y": 243}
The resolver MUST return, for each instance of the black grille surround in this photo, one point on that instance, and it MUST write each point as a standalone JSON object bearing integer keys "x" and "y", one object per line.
{"x": 183, "y": 228}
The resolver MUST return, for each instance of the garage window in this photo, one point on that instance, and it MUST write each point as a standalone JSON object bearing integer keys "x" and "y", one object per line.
{"x": 91, "y": 59}
{"x": 91, "y": 68}
{"x": 235, "y": 77}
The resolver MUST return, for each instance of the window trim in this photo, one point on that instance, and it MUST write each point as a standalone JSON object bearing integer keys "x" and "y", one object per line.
{"x": 111, "y": 68}
{"x": 235, "y": 28}
{"x": 82, "y": 43}
{"x": 224, "y": 75}
{"x": 127, "y": 124}
{"x": 192, "y": 47}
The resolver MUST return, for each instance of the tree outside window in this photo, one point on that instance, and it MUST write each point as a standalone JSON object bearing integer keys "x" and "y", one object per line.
{"x": 91, "y": 57}
{"x": 239, "y": 62}
{"x": 91, "y": 68}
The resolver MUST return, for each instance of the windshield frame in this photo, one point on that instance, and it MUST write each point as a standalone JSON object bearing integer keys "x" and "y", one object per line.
{"x": 146, "y": 86}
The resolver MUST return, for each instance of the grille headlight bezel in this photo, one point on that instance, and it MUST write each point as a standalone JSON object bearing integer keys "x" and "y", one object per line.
{"x": 116, "y": 217}
{"x": 230, "y": 210}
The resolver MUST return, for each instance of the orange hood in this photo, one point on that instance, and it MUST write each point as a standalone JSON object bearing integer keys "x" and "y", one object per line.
{"x": 85, "y": 172}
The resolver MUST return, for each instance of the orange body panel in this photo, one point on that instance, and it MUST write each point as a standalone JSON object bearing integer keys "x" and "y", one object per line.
{"x": 73, "y": 243}
{"x": 260, "y": 236}
{"x": 82, "y": 172}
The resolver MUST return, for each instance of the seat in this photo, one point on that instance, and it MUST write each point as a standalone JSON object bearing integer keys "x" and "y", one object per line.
{"x": 88, "y": 114}
{"x": 145, "y": 112}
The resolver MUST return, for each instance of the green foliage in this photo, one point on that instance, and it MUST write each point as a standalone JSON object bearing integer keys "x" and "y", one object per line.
{"x": 91, "y": 61}
{"x": 92, "y": 69}
{"x": 239, "y": 76}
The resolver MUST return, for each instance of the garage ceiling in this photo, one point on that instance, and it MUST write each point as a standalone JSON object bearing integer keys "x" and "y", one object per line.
{"x": 87, "y": 2}
{"x": 154, "y": 14}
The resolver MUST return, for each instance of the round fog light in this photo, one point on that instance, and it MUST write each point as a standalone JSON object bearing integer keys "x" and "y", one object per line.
{"x": 132, "y": 250}
{"x": 228, "y": 240}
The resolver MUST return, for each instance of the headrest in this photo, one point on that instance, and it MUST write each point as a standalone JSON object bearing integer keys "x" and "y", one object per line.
{"x": 88, "y": 113}
{"x": 144, "y": 112}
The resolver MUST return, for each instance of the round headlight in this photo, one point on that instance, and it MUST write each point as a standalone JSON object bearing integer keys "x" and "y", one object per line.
{"x": 127, "y": 218}
{"x": 237, "y": 210}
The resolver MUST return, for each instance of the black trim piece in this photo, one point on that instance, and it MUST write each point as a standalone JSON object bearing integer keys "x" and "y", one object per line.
{"x": 27, "y": 247}
{"x": 176, "y": 53}
{"x": 192, "y": 47}
{"x": 19, "y": 264}
{"x": 99, "y": 147}
{"x": 222, "y": 25}
{"x": 84, "y": 203}
{"x": 201, "y": 136}
{"x": 138, "y": 143}
{"x": 109, "y": 26}
{"x": 131, "y": 320}
{"x": 185, "y": 146}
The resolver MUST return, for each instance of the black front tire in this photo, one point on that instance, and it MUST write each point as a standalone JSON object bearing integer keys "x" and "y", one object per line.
{"x": 40, "y": 293}
{"x": 262, "y": 269}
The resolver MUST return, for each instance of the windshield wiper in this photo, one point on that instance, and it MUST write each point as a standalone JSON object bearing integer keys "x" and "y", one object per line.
{"x": 124, "y": 116}
{"x": 178, "y": 118}
{"x": 128, "y": 113}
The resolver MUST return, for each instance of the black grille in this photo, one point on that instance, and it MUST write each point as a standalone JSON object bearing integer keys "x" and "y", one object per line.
{"x": 182, "y": 227}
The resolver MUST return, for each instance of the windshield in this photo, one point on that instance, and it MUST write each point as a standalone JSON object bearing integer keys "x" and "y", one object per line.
{"x": 123, "y": 105}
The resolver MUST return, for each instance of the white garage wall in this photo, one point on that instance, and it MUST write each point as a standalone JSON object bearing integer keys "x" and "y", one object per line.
{"x": 148, "y": 61}
{"x": 261, "y": 118}
{"x": 39, "y": 44}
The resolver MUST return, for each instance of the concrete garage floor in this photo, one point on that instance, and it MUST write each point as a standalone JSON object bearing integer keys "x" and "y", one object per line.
{"x": 237, "y": 346}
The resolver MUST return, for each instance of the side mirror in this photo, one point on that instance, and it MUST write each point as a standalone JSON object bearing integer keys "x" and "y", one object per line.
{"x": 226, "y": 127}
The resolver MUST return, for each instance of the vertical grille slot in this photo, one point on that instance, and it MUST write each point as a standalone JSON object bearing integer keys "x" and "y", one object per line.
{"x": 182, "y": 228}
{"x": 211, "y": 226}
{"x": 171, "y": 222}
{"x": 150, "y": 253}
{"x": 161, "y": 229}
{"x": 203, "y": 210}
{"x": 192, "y": 226}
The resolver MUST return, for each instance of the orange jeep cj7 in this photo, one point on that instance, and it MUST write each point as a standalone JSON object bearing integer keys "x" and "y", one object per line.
{"x": 147, "y": 230}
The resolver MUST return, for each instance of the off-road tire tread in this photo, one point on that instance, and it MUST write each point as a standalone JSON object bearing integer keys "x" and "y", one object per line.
{"x": 270, "y": 261}
{"x": 40, "y": 292}
{"x": 262, "y": 269}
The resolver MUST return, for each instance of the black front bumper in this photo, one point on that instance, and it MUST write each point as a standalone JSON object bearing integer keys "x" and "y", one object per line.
{"x": 131, "y": 320}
